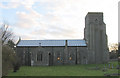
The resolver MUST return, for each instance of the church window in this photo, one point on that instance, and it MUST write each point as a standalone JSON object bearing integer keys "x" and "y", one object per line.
{"x": 58, "y": 58}
{"x": 39, "y": 57}
{"x": 70, "y": 57}
{"x": 96, "y": 20}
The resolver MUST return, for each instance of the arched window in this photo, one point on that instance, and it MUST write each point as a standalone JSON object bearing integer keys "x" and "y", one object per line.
{"x": 39, "y": 56}
{"x": 58, "y": 56}
{"x": 70, "y": 57}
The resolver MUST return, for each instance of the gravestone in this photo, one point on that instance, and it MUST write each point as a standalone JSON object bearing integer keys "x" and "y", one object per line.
{"x": 112, "y": 66}
{"x": 109, "y": 66}
{"x": 32, "y": 62}
{"x": 117, "y": 67}
{"x": 104, "y": 69}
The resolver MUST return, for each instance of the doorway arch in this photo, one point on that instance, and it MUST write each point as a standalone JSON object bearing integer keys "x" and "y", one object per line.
{"x": 50, "y": 59}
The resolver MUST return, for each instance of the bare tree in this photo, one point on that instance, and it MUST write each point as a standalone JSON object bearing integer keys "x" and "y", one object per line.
{"x": 114, "y": 46}
{"x": 113, "y": 51}
{"x": 9, "y": 58}
{"x": 5, "y": 33}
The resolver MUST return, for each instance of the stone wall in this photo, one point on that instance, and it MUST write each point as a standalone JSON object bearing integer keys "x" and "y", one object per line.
{"x": 52, "y": 55}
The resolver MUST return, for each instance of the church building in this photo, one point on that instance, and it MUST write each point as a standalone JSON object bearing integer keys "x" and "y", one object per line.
{"x": 93, "y": 49}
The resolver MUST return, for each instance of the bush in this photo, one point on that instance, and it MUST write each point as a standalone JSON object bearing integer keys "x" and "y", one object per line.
{"x": 113, "y": 55}
{"x": 16, "y": 66}
{"x": 8, "y": 59}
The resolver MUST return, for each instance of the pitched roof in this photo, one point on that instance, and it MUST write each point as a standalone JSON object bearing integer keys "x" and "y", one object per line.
{"x": 51, "y": 43}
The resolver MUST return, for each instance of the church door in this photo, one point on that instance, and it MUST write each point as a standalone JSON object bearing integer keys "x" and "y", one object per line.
{"x": 50, "y": 59}
{"x": 27, "y": 58}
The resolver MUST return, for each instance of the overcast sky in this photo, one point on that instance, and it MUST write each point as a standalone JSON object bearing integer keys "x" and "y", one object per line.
{"x": 57, "y": 19}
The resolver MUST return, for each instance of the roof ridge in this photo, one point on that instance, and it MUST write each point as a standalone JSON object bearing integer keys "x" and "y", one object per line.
{"x": 53, "y": 39}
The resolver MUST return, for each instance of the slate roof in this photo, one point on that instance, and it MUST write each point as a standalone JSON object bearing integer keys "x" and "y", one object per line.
{"x": 51, "y": 43}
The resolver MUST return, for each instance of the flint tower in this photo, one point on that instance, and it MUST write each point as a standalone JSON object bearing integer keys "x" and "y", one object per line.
{"x": 96, "y": 38}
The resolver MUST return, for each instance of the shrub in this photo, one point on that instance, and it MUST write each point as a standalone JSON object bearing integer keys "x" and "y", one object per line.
{"x": 16, "y": 66}
{"x": 8, "y": 59}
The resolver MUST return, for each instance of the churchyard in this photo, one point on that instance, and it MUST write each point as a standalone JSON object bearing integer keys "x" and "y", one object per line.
{"x": 110, "y": 68}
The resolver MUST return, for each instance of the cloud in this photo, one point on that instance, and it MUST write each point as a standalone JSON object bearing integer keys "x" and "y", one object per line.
{"x": 9, "y": 5}
{"x": 71, "y": 14}
{"x": 55, "y": 32}
{"x": 27, "y": 20}
{"x": 28, "y": 3}
{"x": 65, "y": 22}
{"x": 62, "y": 18}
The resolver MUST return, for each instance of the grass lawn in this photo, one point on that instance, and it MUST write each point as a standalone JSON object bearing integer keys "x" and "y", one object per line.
{"x": 68, "y": 70}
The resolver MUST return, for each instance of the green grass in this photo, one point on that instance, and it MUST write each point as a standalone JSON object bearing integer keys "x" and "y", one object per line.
{"x": 68, "y": 70}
